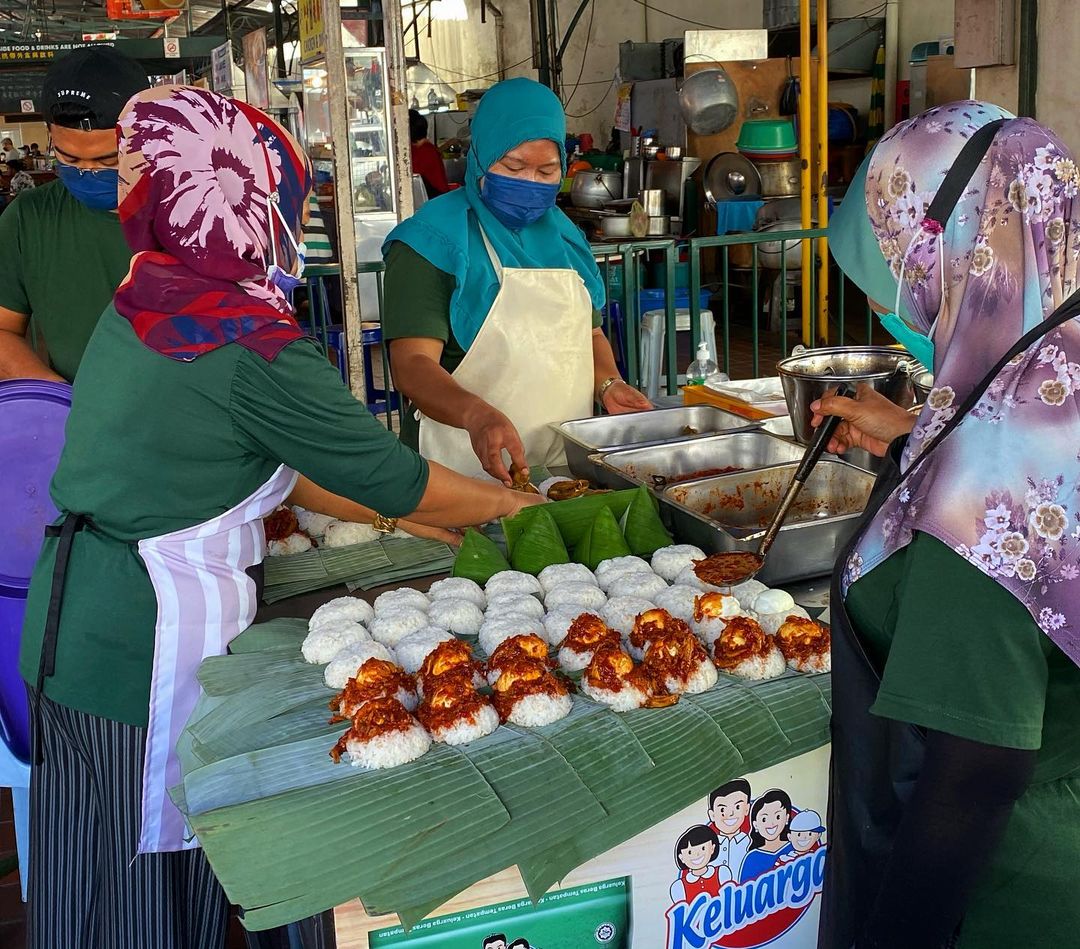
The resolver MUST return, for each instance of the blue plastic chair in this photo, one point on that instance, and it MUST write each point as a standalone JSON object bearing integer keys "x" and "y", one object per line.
{"x": 15, "y": 774}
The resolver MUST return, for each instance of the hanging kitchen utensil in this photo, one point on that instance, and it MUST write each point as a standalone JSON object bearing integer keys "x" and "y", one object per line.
{"x": 709, "y": 101}
{"x": 789, "y": 95}
{"x": 729, "y": 175}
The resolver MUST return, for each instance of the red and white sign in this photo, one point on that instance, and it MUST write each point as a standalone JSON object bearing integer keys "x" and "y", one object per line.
{"x": 171, "y": 46}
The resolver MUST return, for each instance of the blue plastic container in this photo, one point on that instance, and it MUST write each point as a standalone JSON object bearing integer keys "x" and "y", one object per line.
{"x": 656, "y": 299}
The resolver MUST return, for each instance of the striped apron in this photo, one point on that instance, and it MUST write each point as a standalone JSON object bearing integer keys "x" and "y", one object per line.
{"x": 205, "y": 598}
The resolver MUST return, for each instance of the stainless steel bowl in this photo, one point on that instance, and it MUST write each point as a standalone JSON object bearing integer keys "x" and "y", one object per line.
{"x": 659, "y": 226}
{"x": 591, "y": 189}
{"x": 808, "y": 375}
{"x": 923, "y": 382}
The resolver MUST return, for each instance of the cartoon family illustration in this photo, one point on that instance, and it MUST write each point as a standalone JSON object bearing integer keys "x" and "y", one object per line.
{"x": 745, "y": 837}
{"x": 498, "y": 941}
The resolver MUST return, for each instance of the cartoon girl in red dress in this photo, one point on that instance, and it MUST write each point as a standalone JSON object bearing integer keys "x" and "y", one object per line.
{"x": 694, "y": 855}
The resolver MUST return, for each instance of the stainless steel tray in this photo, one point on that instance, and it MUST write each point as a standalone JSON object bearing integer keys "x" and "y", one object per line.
{"x": 743, "y": 450}
{"x": 586, "y": 436}
{"x": 730, "y": 512}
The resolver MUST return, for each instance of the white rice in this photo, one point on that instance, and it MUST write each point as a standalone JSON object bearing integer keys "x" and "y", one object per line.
{"x": 389, "y": 750}
{"x": 640, "y": 584}
{"x": 517, "y": 603}
{"x": 462, "y": 617}
{"x": 497, "y": 629}
{"x": 708, "y": 628}
{"x": 389, "y": 628}
{"x": 772, "y": 601}
{"x": 322, "y": 644}
{"x": 403, "y": 598}
{"x": 512, "y": 581}
{"x": 557, "y": 623}
{"x": 617, "y": 566}
{"x": 533, "y": 711}
{"x": 570, "y": 660}
{"x": 347, "y": 660}
{"x": 559, "y": 573}
{"x": 575, "y": 593}
{"x": 669, "y": 562}
{"x": 412, "y": 649}
{"x": 771, "y": 622}
{"x": 687, "y": 578}
{"x": 813, "y": 664}
{"x": 703, "y": 678}
{"x": 620, "y": 612}
{"x": 761, "y": 667}
{"x": 625, "y": 700}
{"x": 458, "y": 588}
{"x": 347, "y": 533}
{"x": 678, "y": 601}
{"x": 748, "y": 591}
{"x": 483, "y": 722}
{"x": 311, "y": 523}
{"x": 349, "y": 609}
{"x": 293, "y": 544}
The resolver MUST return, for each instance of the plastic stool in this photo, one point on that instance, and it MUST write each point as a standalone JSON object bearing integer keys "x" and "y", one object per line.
{"x": 15, "y": 774}
{"x": 379, "y": 400}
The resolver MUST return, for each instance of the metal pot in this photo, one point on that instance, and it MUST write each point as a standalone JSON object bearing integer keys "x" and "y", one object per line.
{"x": 650, "y": 151}
{"x": 616, "y": 225}
{"x": 780, "y": 179}
{"x": 923, "y": 382}
{"x": 652, "y": 201}
{"x": 809, "y": 374}
{"x": 771, "y": 253}
{"x": 659, "y": 226}
{"x": 591, "y": 189}
{"x": 709, "y": 101}
{"x": 674, "y": 152}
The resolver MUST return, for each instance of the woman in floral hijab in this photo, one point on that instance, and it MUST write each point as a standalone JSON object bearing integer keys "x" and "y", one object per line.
{"x": 961, "y": 593}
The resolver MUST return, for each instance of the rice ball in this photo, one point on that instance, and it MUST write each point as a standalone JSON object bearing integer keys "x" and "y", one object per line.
{"x": 512, "y": 581}
{"x": 747, "y": 592}
{"x": 620, "y": 612}
{"x": 458, "y": 588}
{"x": 640, "y": 584}
{"x": 413, "y": 648}
{"x": 462, "y": 617}
{"x": 669, "y": 562}
{"x": 388, "y": 628}
{"x": 559, "y": 573}
{"x": 688, "y": 578}
{"x": 679, "y": 601}
{"x": 771, "y": 622}
{"x": 347, "y": 533}
{"x": 346, "y": 661}
{"x": 575, "y": 593}
{"x": 515, "y": 603}
{"x": 311, "y": 523}
{"x": 349, "y": 609}
{"x": 499, "y": 628}
{"x": 405, "y": 598}
{"x": 616, "y": 566}
{"x": 322, "y": 644}
{"x": 557, "y": 623}
{"x": 293, "y": 544}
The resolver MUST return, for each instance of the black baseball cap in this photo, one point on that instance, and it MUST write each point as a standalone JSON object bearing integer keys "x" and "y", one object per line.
{"x": 97, "y": 80}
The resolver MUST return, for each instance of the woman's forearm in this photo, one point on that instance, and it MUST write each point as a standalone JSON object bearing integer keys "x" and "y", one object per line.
{"x": 452, "y": 500}
{"x": 432, "y": 390}
{"x": 604, "y": 366}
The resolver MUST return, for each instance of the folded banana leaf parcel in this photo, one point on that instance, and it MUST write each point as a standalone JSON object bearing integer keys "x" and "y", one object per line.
{"x": 290, "y": 833}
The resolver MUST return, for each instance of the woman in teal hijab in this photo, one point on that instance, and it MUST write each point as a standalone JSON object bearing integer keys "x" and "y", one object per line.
{"x": 493, "y": 301}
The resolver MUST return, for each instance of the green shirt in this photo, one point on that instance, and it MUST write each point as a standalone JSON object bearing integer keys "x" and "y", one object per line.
{"x": 417, "y": 304}
{"x": 60, "y": 265}
{"x": 155, "y": 445}
{"x": 961, "y": 655}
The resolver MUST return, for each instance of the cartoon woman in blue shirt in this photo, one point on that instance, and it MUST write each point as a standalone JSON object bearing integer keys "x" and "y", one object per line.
{"x": 770, "y": 818}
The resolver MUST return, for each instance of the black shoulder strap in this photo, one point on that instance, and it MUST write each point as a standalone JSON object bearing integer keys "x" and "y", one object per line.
{"x": 961, "y": 172}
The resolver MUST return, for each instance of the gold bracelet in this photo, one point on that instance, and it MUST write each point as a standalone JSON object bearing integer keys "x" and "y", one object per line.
{"x": 604, "y": 386}
{"x": 384, "y": 525}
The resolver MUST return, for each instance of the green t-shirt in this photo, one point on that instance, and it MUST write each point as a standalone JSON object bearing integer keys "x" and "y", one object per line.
{"x": 961, "y": 655}
{"x": 156, "y": 445}
{"x": 61, "y": 264}
{"x": 417, "y": 304}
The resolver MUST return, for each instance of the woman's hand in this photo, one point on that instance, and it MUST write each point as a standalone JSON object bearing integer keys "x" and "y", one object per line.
{"x": 492, "y": 433}
{"x": 451, "y": 537}
{"x": 871, "y": 421}
{"x": 621, "y": 397}
{"x": 518, "y": 501}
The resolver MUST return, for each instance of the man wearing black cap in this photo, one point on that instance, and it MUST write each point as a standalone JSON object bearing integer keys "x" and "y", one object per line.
{"x": 64, "y": 253}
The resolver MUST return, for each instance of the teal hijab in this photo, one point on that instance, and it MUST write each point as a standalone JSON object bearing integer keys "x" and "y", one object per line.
{"x": 446, "y": 231}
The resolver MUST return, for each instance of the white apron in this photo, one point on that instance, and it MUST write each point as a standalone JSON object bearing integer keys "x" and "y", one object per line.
{"x": 532, "y": 360}
{"x": 205, "y": 598}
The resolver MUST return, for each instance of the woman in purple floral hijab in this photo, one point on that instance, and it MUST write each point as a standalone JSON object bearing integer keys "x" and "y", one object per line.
{"x": 956, "y": 760}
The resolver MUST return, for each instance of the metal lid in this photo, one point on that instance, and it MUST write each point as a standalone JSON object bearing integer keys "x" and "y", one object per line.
{"x": 32, "y": 419}
{"x": 730, "y": 175}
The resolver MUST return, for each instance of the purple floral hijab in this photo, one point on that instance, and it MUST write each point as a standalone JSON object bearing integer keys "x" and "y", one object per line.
{"x": 1003, "y": 488}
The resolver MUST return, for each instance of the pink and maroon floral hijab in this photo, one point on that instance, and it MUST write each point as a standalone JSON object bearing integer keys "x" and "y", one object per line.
{"x": 1003, "y": 488}
{"x": 197, "y": 171}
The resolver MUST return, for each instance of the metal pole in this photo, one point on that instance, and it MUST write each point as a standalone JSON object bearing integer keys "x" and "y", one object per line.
{"x": 892, "y": 60}
{"x": 543, "y": 41}
{"x": 823, "y": 167}
{"x": 399, "y": 106}
{"x": 804, "y": 157}
{"x": 279, "y": 36}
{"x": 1029, "y": 58}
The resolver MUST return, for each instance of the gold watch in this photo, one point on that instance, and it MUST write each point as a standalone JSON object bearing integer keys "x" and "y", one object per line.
{"x": 604, "y": 386}
{"x": 384, "y": 525}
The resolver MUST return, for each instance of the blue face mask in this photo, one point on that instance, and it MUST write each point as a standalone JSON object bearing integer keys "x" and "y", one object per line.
{"x": 920, "y": 346}
{"x": 96, "y": 189}
{"x": 517, "y": 203}
{"x": 286, "y": 282}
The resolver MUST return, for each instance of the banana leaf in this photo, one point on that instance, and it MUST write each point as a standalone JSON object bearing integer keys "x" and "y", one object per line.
{"x": 540, "y": 546}
{"x": 602, "y": 541}
{"x": 573, "y": 517}
{"x": 478, "y": 558}
{"x": 274, "y": 634}
{"x": 641, "y": 525}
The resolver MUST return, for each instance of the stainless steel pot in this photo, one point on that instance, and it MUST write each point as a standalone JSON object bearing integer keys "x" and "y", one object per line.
{"x": 674, "y": 152}
{"x": 659, "y": 226}
{"x": 709, "y": 101}
{"x": 616, "y": 225}
{"x": 650, "y": 151}
{"x": 808, "y": 375}
{"x": 652, "y": 201}
{"x": 771, "y": 253}
{"x": 591, "y": 189}
{"x": 779, "y": 179}
{"x": 923, "y": 382}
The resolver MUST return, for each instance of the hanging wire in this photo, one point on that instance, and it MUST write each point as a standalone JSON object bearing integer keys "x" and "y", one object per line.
{"x": 584, "y": 56}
